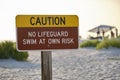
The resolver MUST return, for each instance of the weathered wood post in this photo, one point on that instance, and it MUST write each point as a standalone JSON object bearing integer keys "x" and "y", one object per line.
{"x": 46, "y": 64}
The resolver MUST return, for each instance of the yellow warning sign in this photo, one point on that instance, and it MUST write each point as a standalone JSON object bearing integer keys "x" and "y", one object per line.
{"x": 47, "y": 21}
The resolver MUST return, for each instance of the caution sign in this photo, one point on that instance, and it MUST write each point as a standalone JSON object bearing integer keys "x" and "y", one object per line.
{"x": 47, "y": 32}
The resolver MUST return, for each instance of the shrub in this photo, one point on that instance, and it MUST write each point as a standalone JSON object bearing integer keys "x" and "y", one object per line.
{"x": 109, "y": 43}
{"x": 8, "y": 50}
{"x": 20, "y": 56}
{"x": 90, "y": 43}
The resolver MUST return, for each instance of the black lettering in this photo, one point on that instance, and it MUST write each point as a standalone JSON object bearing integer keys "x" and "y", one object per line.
{"x": 38, "y": 21}
{"x": 49, "y": 18}
{"x": 44, "y": 21}
{"x": 31, "y": 21}
{"x": 62, "y": 20}
{"x": 57, "y": 20}
{"x": 53, "y": 21}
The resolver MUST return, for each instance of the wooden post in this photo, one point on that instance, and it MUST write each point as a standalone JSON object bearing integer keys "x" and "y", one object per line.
{"x": 46, "y": 64}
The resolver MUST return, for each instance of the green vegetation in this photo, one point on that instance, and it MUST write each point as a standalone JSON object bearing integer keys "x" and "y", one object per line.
{"x": 90, "y": 43}
{"x": 20, "y": 56}
{"x": 118, "y": 36}
{"x": 8, "y": 50}
{"x": 102, "y": 44}
{"x": 114, "y": 58}
{"x": 109, "y": 43}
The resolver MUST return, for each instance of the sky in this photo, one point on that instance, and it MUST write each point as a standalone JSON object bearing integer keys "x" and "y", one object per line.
{"x": 91, "y": 13}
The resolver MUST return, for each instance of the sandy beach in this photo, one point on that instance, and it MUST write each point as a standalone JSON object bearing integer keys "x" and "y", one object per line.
{"x": 81, "y": 64}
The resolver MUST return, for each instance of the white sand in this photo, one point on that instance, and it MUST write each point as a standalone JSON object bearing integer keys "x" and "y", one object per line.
{"x": 81, "y": 64}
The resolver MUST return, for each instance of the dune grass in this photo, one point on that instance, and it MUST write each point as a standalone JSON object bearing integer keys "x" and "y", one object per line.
{"x": 109, "y": 43}
{"x": 101, "y": 44}
{"x": 114, "y": 58}
{"x": 8, "y": 50}
{"x": 90, "y": 43}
